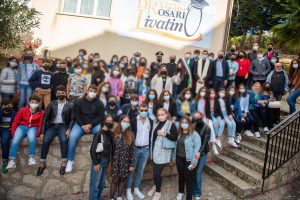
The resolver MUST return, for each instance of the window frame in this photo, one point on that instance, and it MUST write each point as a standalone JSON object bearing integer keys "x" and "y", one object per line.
{"x": 77, "y": 14}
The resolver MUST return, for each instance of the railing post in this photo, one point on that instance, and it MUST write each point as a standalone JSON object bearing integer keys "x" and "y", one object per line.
{"x": 265, "y": 163}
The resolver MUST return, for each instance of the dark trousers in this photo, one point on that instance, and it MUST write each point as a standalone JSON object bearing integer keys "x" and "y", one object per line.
{"x": 157, "y": 170}
{"x": 53, "y": 131}
{"x": 259, "y": 113}
{"x": 245, "y": 125}
{"x": 240, "y": 80}
{"x": 218, "y": 83}
{"x": 186, "y": 177}
{"x": 5, "y": 137}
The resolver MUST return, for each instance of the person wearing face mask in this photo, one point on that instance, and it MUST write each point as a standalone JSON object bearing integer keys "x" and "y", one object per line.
{"x": 88, "y": 112}
{"x": 179, "y": 81}
{"x": 113, "y": 61}
{"x": 160, "y": 150}
{"x": 253, "y": 54}
{"x": 7, "y": 115}
{"x": 82, "y": 53}
{"x": 40, "y": 82}
{"x": 59, "y": 78}
{"x": 167, "y": 102}
{"x": 77, "y": 84}
{"x": 58, "y": 121}
{"x": 244, "y": 64}
{"x": 278, "y": 80}
{"x": 260, "y": 68}
{"x": 185, "y": 104}
{"x": 188, "y": 145}
{"x": 27, "y": 123}
{"x": 233, "y": 50}
{"x": 26, "y": 69}
{"x": 97, "y": 76}
{"x": 144, "y": 85}
{"x": 8, "y": 79}
{"x": 131, "y": 109}
{"x": 171, "y": 66}
{"x": 100, "y": 152}
{"x": 130, "y": 87}
{"x": 228, "y": 117}
{"x": 133, "y": 62}
{"x": 187, "y": 66}
{"x": 294, "y": 83}
{"x": 112, "y": 108}
{"x": 117, "y": 88}
{"x": 142, "y": 66}
{"x": 123, "y": 156}
{"x": 142, "y": 128}
{"x": 151, "y": 101}
{"x": 233, "y": 69}
{"x": 202, "y": 70}
{"x": 69, "y": 63}
{"x": 104, "y": 69}
{"x": 162, "y": 81}
{"x": 204, "y": 132}
{"x": 156, "y": 66}
{"x": 104, "y": 92}
{"x": 268, "y": 55}
{"x": 220, "y": 72}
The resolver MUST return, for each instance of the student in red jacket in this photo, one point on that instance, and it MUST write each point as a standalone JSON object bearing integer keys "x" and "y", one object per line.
{"x": 243, "y": 70}
{"x": 27, "y": 123}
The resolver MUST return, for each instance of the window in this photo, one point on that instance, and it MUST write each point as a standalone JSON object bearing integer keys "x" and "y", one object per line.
{"x": 98, "y": 8}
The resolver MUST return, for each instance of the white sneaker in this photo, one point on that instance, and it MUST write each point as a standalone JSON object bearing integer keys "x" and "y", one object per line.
{"x": 138, "y": 193}
{"x": 119, "y": 198}
{"x": 152, "y": 191}
{"x": 214, "y": 150}
{"x": 232, "y": 143}
{"x": 31, "y": 161}
{"x": 219, "y": 143}
{"x": 179, "y": 196}
{"x": 11, "y": 164}
{"x": 197, "y": 198}
{"x": 266, "y": 129}
{"x": 248, "y": 133}
{"x": 69, "y": 167}
{"x": 129, "y": 194}
{"x": 238, "y": 138}
{"x": 257, "y": 134}
{"x": 156, "y": 196}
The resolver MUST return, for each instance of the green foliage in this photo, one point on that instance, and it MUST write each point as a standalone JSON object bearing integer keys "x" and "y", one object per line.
{"x": 16, "y": 20}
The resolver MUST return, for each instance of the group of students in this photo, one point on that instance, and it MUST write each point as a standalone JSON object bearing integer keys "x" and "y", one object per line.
{"x": 168, "y": 111}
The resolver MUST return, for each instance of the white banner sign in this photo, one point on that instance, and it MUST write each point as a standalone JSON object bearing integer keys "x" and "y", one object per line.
{"x": 183, "y": 22}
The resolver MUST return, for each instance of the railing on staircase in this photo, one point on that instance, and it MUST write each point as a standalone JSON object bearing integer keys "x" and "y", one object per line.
{"x": 283, "y": 142}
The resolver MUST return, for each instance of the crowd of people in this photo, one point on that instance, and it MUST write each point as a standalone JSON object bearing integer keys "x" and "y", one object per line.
{"x": 168, "y": 112}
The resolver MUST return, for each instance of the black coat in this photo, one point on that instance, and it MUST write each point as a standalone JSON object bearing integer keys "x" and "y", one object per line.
{"x": 107, "y": 148}
{"x": 172, "y": 108}
{"x": 204, "y": 132}
{"x": 217, "y": 109}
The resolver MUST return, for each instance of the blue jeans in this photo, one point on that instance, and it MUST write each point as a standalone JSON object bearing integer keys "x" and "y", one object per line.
{"x": 198, "y": 182}
{"x": 75, "y": 135}
{"x": 5, "y": 137}
{"x": 22, "y": 132}
{"x": 97, "y": 180}
{"x": 25, "y": 93}
{"x": 218, "y": 125}
{"x": 291, "y": 100}
{"x": 141, "y": 158}
{"x": 231, "y": 125}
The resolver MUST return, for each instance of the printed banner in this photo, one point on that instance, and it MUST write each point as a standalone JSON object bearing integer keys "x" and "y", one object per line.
{"x": 185, "y": 22}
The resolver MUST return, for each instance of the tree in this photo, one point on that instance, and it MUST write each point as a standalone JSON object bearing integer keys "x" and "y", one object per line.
{"x": 16, "y": 19}
{"x": 288, "y": 30}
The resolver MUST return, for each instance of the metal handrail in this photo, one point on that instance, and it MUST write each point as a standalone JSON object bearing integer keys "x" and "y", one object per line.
{"x": 283, "y": 143}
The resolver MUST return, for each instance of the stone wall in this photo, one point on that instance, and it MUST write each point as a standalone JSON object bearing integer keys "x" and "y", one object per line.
{"x": 22, "y": 183}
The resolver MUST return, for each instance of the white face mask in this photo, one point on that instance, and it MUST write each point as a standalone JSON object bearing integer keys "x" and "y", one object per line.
{"x": 202, "y": 94}
{"x": 295, "y": 65}
{"x": 92, "y": 95}
{"x": 242, "y": 91}
{"x": 116, "y": 73}
{"x": 146, "y": 75}
{"x": 231, "y": 92}
{"x": 187, "y": 96}
{"x": 222, "y": 94}
{"x": 162, "y": 118}
{"x": 78, "y": 71}
{"x": 259, "y": 56}
{"x": 33, "y": 106}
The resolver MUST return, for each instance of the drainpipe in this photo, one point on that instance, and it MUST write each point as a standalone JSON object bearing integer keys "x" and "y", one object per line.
{"x": 228, "y": 23}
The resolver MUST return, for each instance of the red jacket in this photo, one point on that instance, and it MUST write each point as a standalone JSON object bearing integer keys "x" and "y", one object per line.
{"x": 244, "y": 67}
{"x": 26, "y": 118}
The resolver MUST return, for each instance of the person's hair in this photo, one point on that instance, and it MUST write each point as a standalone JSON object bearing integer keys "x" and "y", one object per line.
{"x": 116, "y": 67}
{"x": 196, "y": 51}
{"x": 205, "y": 51}
{"x": 182, "y": 94}
{"x": 161, "y": 97}
{"x": 147, "y": 100}
{"x": 143, "y": 105}
{"x": 245, "y": 55}
{"x": 134, "y": 97}
{"x": 222, "y": 89}
{"x": 60, "y": 88}
{"x": 104, "y": 65}
{"x": 78, "y": 65}
{"x": 104, "y": 119}
{"x": 270, "y": 43}
{"x": 256, "y": 83}
{"x": 83, "y": 50}
{"x": 114, "y": 56}
{"x": 227, "y": 92}
{"x": 92, "y": 87}
{"x": 164, "y": 110}
{"x": 101, "y": 86}
{"x": 198, "y": 96}
{"x": 145, "y": 59}
{"x": 292, "y": 70}
{"x": 160, "y": 70}
{"x": 96, "y": 54}
{"x": 127, "y": 134}
{"x": 211, "y": 54}
{"x": 190, "y": 129}
{"x": 133, "y": 58}
{"x": 47, "y": 60}
{"x": 35, "y": 97}
{"x": 63, "y": 62}
{"x": 209, "y": 92}
{"x": 6, "y": 102}
{"x": 10, "y": 59}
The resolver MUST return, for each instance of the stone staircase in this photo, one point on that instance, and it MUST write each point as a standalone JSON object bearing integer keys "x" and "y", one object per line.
{"x": 240, "y": 169}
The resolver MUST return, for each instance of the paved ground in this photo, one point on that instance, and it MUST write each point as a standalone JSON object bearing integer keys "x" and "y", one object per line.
{"x": 211, "y": 191}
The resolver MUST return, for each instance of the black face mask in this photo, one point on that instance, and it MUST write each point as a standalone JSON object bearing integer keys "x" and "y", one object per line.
{"x": 172, "y": 60}
{"x": 232, "y": 50}
{"x": 91, "y": 60}
{"x": 69, "y": 64}
{"x": 198, "y": 122}
{"x": 61, "y": 97}
{"x": 142, "y": 64}
{"x": 111, "y": 103}
{"x": 28, "y": 58}
{"x": 47, "y": 68}
{"x": 220, "y": 56}
{"x": 270, "y": 49}
{"x": 7, "y": 109}
{"x": 159, "y": 59}
{"x": 163, "y": 73}
{"x": 63, "y": 70}
{"x": 241, "y": 56}
{"x": 232, "y": 59}
{"x": 108, "y": 124}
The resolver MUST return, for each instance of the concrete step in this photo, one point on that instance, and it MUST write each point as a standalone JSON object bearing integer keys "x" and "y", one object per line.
{"x": 231, "y": 182}
{"x": 245, "y": 159}
{"x": 236, "y": 168}
{"x": 252, "y": 149}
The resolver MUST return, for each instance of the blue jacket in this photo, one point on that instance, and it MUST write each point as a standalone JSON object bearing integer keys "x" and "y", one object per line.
{"x": 254, "y": 98}
{"x": 181, "y": 114}
{"x": 22, "y": 73}
{"x": 237, "y": 108}
{"x": 12, "y": 115}
{"x": 141, "y": 88}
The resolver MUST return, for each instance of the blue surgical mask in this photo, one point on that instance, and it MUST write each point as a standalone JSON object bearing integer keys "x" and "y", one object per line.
{"x": 166, "y": 98}
{"x": 143, "y": 114}
{"x": 115, "y": 60}
{"x": 58, "y": 65}
{"x": 122, "y": 65}
{"x": 151, "y": 96}
{"x": 81, "y": 54}
{"x": 134, "y": 103}
{"x": 13, "y": 64}
{"x": 104, "y": 89}
{"x": 124, "y": 125}
{"x": 184, "y": 125}
{"x": 97, "y": 59}
{"x": 133, "y": 62}
{"x": 85, "y": 65}
{"x": 130, "y": 78}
